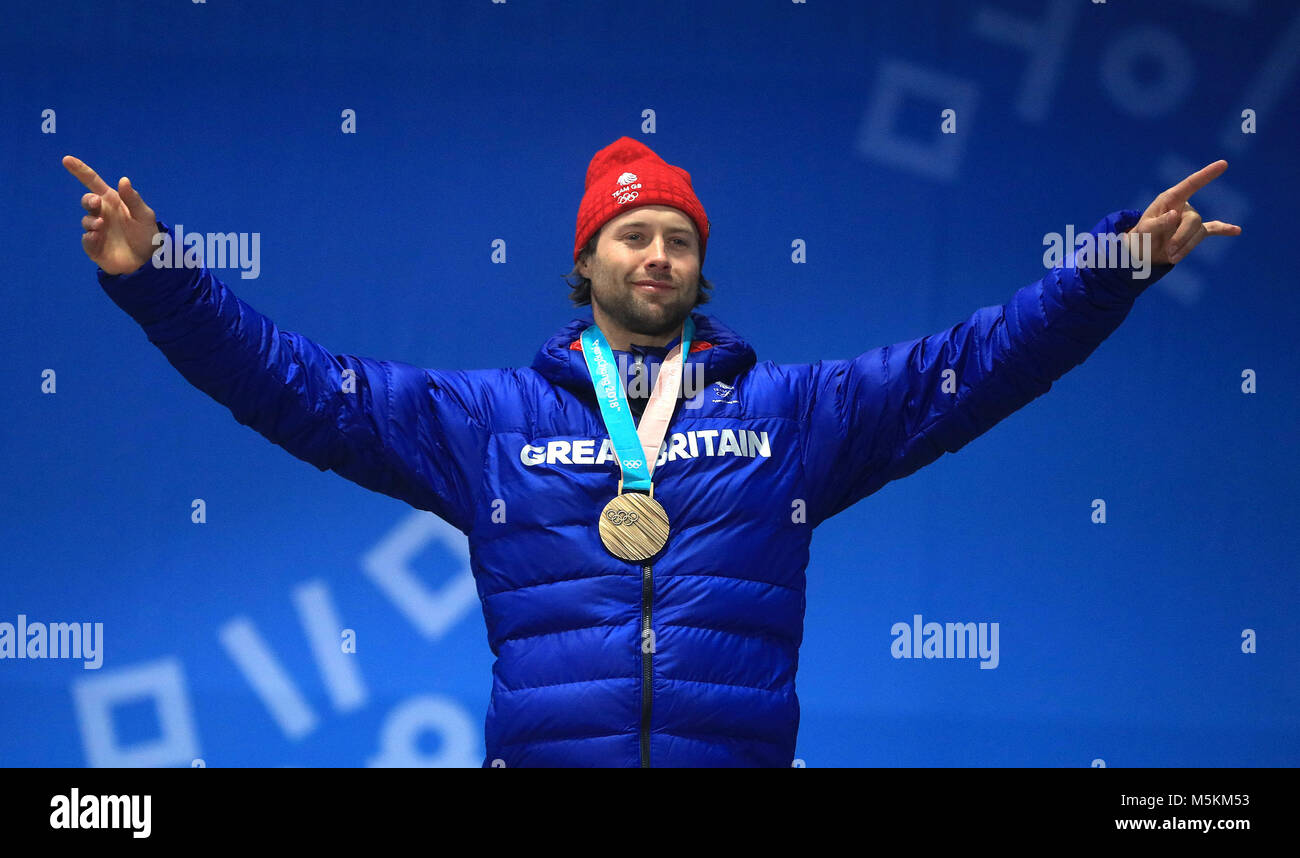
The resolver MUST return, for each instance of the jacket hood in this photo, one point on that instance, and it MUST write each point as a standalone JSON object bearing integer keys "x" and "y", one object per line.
{"x": 723, "y": 353}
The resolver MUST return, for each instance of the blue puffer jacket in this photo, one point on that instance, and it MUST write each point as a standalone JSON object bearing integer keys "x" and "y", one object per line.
{"x": 688, "y": 660}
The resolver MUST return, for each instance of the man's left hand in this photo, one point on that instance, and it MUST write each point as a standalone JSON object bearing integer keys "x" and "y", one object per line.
{"x": 1175, "y": 227}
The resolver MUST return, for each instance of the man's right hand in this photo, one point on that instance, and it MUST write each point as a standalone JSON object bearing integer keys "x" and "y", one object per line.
{"x": 119, "y": 228}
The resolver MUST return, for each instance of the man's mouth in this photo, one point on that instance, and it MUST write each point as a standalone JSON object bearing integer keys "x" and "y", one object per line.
{"x": 655, "y": 285}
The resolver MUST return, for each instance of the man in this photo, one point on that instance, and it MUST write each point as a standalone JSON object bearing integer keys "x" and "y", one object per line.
{"x": 641, "y": 574}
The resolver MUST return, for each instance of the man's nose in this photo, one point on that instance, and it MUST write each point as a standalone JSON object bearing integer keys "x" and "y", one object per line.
{"x": 658, "y": 251}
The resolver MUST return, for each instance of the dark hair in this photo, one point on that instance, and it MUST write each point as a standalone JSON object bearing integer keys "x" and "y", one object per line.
{"x": 581, "y": 286}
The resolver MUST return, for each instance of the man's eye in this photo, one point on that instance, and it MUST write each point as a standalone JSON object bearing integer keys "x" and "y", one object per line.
{"x": 636, "y": 236}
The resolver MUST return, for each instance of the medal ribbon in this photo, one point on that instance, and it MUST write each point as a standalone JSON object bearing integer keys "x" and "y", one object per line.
{"x": 637, "y": 447}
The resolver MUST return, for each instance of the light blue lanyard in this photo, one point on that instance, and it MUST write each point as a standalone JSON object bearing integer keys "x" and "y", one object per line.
{"x": 613, "y": 403}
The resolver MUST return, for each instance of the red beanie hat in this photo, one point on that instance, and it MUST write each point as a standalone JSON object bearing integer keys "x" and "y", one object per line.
{"x": 627, "y": 174}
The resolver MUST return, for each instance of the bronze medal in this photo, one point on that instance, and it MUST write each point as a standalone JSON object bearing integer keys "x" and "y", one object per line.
{"x": 634, "y": 526}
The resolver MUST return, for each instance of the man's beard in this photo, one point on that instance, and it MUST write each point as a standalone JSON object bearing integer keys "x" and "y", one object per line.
{"x": 646, "y": 317}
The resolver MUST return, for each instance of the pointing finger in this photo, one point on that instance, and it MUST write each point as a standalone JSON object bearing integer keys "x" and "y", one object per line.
{"x": 88, "y": 177}
{"x": 1193, "y": 183}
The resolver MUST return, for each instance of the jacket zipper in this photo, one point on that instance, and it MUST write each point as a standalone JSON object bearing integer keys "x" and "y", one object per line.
{"x": 647, "y": 591}
{"x": 647, "y": 594}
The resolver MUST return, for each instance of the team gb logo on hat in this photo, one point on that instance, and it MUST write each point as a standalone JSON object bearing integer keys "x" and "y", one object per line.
{"x": 627, "y": 189}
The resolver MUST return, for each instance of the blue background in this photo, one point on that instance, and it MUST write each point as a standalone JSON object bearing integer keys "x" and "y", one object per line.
{"x": 475, "y": 121}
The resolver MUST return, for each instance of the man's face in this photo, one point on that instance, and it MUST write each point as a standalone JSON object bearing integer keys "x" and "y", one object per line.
{"x": 651, "y": 244}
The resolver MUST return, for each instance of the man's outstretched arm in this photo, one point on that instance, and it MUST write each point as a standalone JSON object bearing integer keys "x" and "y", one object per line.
{"x": 890, "y": 411}
{"x": 406, "y": 432}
